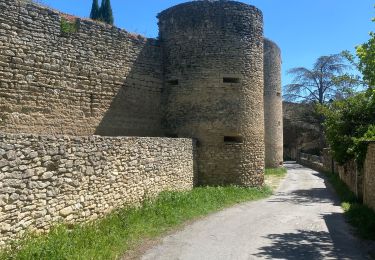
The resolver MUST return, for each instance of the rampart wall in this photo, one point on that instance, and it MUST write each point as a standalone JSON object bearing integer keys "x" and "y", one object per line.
{"x": 213, "y": 66}
{"x": 273, "y": 105}
{"x": 63, "y": 76}
{"x": 49, "y": 179}
{"x": 97, "y": 80}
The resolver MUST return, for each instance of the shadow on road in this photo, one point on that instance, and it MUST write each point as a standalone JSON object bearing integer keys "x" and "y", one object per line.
{"x": 306, "y": 197}
{"x": 301, "y": 245}
{"x": 306, "y": 244}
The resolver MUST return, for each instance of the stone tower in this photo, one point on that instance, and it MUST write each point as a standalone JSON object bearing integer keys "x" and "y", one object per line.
{"x": 273, "y": 112}
{"x": 213, "y": 87}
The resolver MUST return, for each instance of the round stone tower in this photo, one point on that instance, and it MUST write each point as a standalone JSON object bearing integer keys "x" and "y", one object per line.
{"x": 273, "y": 112}
{"x": 213, "y": 68}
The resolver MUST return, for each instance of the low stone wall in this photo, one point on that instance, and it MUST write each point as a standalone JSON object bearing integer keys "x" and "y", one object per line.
{"x": 369, "y": 184}
{"x": 350, "y": 174}
{"x": 45, "y": 180}
{"x": 311, "y": 161}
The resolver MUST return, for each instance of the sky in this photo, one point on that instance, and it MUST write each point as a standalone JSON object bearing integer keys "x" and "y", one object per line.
{"x": 304, "y": 29}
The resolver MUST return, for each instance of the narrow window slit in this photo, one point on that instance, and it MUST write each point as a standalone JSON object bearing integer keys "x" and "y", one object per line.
{"x": 173, "y": 82}
{"x": 231, "y": 80}
{"x": 233, "y": 139}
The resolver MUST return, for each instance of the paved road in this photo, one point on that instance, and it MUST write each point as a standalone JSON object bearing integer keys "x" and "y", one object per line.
{"x": 303, "y": 220}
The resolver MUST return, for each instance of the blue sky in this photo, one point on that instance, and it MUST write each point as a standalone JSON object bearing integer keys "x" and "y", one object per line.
{"x": 304, "y": 29}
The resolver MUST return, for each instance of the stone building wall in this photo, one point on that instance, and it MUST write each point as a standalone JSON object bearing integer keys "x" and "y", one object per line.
{"x": 213, "y": 66}
{"x": 97, "y": 80}
{"x": 300, "y": 130}
{"x": 369, "y": 178}
{"x": 44, "y": 180}
{"x": 273, "y": 105}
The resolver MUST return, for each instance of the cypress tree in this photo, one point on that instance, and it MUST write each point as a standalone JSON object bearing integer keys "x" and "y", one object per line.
{"x": 95, "y": 12}
{"x": 106, "y": 12}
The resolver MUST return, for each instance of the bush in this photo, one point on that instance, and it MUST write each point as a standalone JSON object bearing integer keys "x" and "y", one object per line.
{"x": 349, "y": 124}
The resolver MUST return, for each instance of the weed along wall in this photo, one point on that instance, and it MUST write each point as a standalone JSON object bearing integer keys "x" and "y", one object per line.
{"x": 45, "y": 180}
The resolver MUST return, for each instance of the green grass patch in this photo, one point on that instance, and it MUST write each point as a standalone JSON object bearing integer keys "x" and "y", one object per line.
{"x": 358, "y": 215}
{"x": 276, "y": 172}
{"x": 124, "y": 229}
{"x": 69, "y": 26}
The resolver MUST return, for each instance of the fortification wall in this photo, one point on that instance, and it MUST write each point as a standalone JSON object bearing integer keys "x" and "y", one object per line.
{"x": 369, "y": 177}
{"x": 45, "y": 180}
{"x": 273, "y": 105}
{"x": 97, "y": 80}
{"x": 213, "y": 66}
{"x": 300, "y": 130}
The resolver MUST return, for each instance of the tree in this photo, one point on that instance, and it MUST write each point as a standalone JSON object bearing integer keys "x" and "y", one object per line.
{"x": 106, "y": 12}
{"x": 95, "y": 12}
{"x": 348, "y": 124}
{"x": 366, "y": 55}
{"x": 318, "y": 85}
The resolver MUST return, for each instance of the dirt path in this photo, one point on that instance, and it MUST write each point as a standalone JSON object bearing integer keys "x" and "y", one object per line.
{"x": 303, "y": 220}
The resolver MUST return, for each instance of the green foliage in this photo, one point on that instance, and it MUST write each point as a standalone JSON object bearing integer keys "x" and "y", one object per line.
{"x": 67, "y": 26}
{"x": 110, "y": 237}
{"x": 95, "y": 12}
{"x": 319, "y": 84}
{"x": 106, "y": 14}
{"x": 366, "y": 54}
{"x": 358, "y": 215}
{"x": 348, "y": 123}
{"x": 276, "y": 172}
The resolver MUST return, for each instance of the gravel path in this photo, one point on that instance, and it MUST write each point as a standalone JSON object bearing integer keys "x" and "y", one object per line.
{"x": 303, "y": 220}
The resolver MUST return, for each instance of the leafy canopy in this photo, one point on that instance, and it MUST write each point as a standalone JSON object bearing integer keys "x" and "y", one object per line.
{"x": 366, "y": 54}
{"x": 348, "y": 124}
{"x": 104, "y": 13}
{"x": 320, "y": 84}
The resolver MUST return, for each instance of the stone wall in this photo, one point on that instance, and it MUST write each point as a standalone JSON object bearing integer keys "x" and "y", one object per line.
{"x": 44, "y": 180}
{"x": 97, "y": 79}
{"x": 273, "y": 109}
{"x": 352, "y": 177}
{"x": 213, "y": 66}
{"x": 369, "y": 177}
{"x": 301, "y": 130}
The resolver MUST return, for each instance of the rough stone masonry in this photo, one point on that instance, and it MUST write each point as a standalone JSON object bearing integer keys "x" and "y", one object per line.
{"x": 71, "y": 89}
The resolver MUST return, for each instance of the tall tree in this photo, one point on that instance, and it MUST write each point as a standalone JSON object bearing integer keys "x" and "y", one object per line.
{"x": 366, "y": 55}
{"x": 106, "y": 12}
{"x": 95, "y": 12}
{"x": 318, "y": 84}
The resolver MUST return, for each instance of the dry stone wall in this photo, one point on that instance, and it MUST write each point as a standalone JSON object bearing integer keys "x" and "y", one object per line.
{"x": 45, "y": 180}
{"x": 369, "y": 178}
{"x": 97, "y": 79}
{"x": 273, "y": 105}
{"x": 213, "y": 66}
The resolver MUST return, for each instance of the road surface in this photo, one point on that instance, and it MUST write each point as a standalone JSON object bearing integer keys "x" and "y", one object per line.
{"x": 303, "y": 220}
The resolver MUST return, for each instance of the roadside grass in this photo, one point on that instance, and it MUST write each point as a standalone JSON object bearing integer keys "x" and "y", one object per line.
{"x": 276, "y": 172}
{"x": 126, "y": 228}
{"x": 274, "y": 176}
{"x": 358, "y": 215}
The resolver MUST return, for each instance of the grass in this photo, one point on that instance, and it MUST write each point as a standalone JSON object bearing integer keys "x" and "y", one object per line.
{"x": 276, "y": 172}
{"x": 68, "y": 26}
{"x": 358, "y": 215}
{"x": 273, "y": 177}
{"x": 124, "y": 229}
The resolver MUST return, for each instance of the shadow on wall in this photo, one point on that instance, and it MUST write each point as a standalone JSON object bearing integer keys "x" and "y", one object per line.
{"x": 136, "y": 108}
